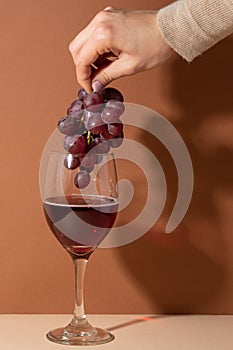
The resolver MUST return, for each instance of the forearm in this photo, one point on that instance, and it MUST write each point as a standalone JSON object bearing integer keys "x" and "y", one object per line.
{"x": 191, "y": 27}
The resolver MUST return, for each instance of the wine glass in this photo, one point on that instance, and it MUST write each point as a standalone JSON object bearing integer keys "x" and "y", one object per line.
{"x": 80, "y": 218}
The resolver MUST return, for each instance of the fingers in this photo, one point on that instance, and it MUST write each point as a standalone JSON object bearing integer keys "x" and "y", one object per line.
{"x": 84, "y": 60}
{"x": 96, "y": 50}
{"x": 119, "y": 68}
{"x": 84, "y": 79}
{"x": 91, "y": 47}
{"x": 77, "y": 43}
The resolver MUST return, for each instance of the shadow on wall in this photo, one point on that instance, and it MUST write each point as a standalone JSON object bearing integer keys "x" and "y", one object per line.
{"x": 189, "y": 270}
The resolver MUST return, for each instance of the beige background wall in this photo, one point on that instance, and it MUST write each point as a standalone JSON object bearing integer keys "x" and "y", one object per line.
{"x": 189, "y": 271}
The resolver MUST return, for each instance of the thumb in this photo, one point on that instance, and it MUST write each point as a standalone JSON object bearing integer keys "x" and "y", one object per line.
{"x": 115, "y": 70}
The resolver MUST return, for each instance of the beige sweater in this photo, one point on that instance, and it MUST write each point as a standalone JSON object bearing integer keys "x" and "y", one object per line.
{"x": 192, "y": 26}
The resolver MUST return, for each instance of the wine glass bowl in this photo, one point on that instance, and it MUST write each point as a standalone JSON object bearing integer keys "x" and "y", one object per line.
{"x": 80, "y": 217}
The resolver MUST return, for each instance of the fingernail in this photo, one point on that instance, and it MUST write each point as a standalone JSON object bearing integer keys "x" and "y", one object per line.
{"x": 97, "y": 86}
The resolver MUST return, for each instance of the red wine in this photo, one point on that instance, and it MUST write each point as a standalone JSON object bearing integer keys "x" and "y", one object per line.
{"x": 80, "y": 223}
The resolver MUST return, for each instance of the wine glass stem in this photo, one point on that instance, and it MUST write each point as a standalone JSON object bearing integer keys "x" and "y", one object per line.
{"x": 79, "y": 311}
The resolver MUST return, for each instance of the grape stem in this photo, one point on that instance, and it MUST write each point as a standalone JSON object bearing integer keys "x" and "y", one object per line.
{"x": 88, "y": 137}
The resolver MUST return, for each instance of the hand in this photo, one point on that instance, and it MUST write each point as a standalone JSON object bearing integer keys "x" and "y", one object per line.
{"x": 118, "y": 43}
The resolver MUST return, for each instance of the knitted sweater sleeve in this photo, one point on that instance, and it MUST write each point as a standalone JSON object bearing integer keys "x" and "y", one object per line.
{"x": 191, "y": 27}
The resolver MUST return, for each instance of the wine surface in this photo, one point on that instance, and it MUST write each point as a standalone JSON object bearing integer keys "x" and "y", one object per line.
{"x": 80, "y": 222}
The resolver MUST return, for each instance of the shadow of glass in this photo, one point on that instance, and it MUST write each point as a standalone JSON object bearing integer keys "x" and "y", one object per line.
{"x": 136, "y": 320}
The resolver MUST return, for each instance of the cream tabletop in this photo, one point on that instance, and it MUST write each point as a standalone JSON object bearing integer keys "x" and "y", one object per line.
{"x": 132, "y": 332}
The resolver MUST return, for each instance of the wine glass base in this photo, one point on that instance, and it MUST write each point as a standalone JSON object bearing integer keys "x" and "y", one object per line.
{"x": 61, "y": 336}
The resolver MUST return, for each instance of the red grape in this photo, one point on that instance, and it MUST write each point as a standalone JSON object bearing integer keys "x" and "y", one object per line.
{"x": 111, "y": 93}
{"x": 100, "y": 146}
{"x": 91, "y": 127}
{"x": 82, "y": 179}
{"x": 105, "y": 135}
{"x": 94, "y": 123}
{"x": 112, "y": 112}
{"x": 117, "y": 141}
{"x": 76, "y": 106}
{"x": 88, "y": 160}
{"x": 75, "y": 144}
{"x": 94, "y": 102}
{"x": 99, "y": 158}
{"x": 71, "y": 161}
{"x": 115, "y": 129}
{"x": 87, "y": 169}
{"x": 82, "y": 94}
{"x": 70, "y": 125}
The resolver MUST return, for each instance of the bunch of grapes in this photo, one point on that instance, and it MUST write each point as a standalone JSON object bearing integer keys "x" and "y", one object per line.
{"x": 91, "y": 127}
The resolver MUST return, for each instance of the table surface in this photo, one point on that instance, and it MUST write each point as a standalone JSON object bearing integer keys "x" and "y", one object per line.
{"x": 133, "y": 332}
